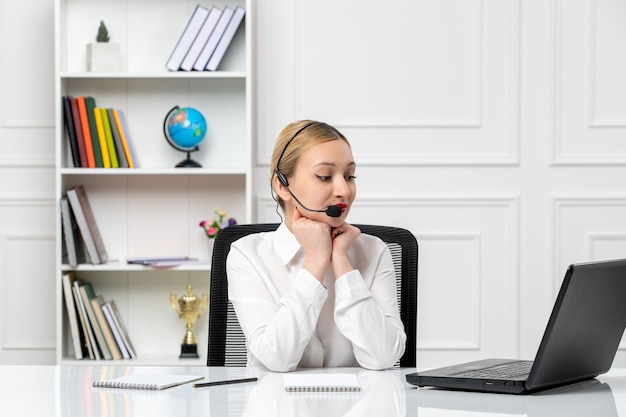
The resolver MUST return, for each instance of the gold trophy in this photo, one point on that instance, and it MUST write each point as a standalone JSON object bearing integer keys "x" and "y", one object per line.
{"x": 189, "y": 308}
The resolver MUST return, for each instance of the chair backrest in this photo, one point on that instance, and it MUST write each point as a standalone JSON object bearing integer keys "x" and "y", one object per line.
{"x": 227, "y": 346}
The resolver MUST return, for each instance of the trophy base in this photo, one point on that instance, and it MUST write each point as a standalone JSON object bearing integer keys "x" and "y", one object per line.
{"x": 188, "y": 351}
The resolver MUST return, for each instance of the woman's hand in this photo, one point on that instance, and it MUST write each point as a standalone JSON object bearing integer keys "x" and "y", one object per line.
{"x": 342, "y": 239}
{"x": 316, "y": 242}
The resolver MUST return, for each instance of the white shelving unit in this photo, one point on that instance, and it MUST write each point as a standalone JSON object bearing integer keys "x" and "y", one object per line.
{"x": 155, "y": 209}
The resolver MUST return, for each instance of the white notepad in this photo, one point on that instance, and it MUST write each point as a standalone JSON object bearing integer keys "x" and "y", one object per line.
{"x": 303, "y": 382}
{"x": 152, "y": 382}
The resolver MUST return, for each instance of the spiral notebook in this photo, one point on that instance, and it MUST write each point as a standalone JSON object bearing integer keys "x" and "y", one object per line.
{"x": 152, "y": 382}
{"x": 302, "y": 382}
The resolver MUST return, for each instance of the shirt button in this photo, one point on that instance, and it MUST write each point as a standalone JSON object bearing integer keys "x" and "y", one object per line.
{"x": 317, "y": 358}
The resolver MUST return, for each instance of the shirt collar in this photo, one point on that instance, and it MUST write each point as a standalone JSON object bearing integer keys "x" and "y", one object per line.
{"x": 286, "y": 244}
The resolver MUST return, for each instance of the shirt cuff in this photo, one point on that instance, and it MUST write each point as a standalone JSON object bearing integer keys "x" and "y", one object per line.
{"x": 310, "y": 288}
{"x": 350, "y": 288}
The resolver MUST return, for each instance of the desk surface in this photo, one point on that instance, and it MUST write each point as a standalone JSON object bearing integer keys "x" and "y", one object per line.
{"x": 65, "y": 391}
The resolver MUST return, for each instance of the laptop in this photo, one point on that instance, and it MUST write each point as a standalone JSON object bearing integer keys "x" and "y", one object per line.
{"x": 579, "y": 343}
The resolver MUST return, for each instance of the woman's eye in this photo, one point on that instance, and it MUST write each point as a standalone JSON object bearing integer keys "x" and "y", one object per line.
{"x": 350, "y": 177}
{"x": 323, "y": 177}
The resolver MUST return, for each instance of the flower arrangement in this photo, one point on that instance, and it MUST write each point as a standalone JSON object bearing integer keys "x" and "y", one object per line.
{"x": 213, "y": 227}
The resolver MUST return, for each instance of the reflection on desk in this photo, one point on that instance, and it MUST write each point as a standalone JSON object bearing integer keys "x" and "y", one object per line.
{"x": 382, "y": 394}
{"x": 587, "y": 399}
{"x": 65, "y": 391}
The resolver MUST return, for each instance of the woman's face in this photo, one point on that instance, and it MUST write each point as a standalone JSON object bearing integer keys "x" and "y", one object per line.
{"x": 324, "y": 176}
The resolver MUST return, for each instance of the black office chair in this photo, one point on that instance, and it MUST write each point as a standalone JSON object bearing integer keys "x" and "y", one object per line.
{"x": 227, "y": 345}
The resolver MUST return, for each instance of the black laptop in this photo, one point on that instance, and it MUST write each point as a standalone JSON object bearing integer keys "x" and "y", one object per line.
{"x": 579, "y": 343}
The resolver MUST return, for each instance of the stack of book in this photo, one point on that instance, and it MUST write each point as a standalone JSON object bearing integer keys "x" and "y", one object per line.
{"x": 98, "y": 137}
{"x": 96, "y": 326}
{"x": 82, "y": 242}
{"x": 206, "y": 38}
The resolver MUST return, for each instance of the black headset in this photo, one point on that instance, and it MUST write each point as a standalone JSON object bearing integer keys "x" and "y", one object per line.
{"x": 282, "y": 177}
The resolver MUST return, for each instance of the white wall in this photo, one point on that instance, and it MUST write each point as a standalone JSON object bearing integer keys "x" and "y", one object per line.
{"x": 492, "y": 129}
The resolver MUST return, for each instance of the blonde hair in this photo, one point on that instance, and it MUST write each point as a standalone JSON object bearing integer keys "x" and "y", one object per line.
{"x": 294, "y": 140}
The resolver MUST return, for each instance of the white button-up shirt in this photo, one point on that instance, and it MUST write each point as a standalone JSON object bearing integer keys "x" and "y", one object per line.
{"x": 291, "y": 320}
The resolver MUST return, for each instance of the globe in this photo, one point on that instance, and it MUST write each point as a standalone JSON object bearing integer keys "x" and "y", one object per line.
{"x": 184, "y": 129}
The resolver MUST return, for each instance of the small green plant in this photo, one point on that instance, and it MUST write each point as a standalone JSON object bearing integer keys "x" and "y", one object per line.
{"x": 103, "y": 33}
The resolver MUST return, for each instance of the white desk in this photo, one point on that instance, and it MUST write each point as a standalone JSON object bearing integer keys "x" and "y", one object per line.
{"x": 65, "y": 391}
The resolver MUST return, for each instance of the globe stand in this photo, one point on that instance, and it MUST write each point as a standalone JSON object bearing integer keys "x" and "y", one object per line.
{"x": 188, "y": 162}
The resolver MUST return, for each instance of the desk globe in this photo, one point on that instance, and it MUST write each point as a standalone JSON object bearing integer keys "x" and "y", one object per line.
{"x": 184, "y": 128}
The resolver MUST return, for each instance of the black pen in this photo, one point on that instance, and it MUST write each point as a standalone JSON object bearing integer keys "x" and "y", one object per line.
{"x": 228, "y": 381}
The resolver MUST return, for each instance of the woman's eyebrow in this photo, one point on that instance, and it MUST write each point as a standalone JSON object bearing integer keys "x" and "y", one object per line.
{"x": 332, "y": 164}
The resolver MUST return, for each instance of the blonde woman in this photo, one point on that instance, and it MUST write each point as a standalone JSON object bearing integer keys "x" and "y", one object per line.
{"x": 316, "y": 292}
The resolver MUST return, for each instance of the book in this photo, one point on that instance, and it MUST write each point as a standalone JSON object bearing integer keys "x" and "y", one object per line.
{"x": 87, "y": 224}
{"x": 90, "y": 104}
{"x": 306, "y": 382}
{"x": 117, "y": 139}
{"x": 226, "y": 39}
{"x": 96, "y": 303}
{"x": 146, "y": 381}
{"x": 126, "y": 136}
{"x": 106, "y": 124}
{"x": 89, "y": 338}
{"x": 71, "y": 234}
{"x": 68, "y": 279}
{"x": 115, "y": 323}
{"x": 211, "y": 44}
{"x": 104, "y": 148}
{"x": 123, "y": 139}
{"x": 190, "y": 32}
{"x": 201, "y": 40}
{"x": 71, "y": 133}
{"x": 87, "y": 293}
{"x": 84, "y": 123}
{"x": 78, "y": 130}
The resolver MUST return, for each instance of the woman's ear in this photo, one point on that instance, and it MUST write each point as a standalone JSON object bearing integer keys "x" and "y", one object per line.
{"x": 280, "y": 189}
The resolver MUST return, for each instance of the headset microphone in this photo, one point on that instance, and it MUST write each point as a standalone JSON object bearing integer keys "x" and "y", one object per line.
{"x": 331, "y": 211}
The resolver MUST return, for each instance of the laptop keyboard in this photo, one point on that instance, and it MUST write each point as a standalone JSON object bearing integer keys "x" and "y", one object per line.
{"x": 505, "y": 371}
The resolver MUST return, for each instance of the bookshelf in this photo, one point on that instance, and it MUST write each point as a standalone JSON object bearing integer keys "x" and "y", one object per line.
{"x": 154, "y": 209}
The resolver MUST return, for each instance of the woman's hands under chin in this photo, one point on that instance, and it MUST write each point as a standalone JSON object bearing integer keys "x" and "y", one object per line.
{"x": 316, "y": 242}
{"x": 343, "y": 237}
{"x": 324, "y": 246}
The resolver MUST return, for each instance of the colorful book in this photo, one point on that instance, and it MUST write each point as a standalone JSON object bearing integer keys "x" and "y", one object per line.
{"x": 72, "y": 314}
{"x": 80, "y": 142}
{"x": 108, "y": 315}
{"x": 123, "y": 138}
{"x": 96, "y": 303}
{"x": 109, "y": 138}
{"x": 71, "y": 133}
{"x": 126, "y": 135}
{"x": 87, "y": 224}
{"x": 87, "y": 294}
{"x": 192, "y": 29}
{"x": 226, "y": 39}
{"x": 71, "y": 235}
{"x": 90, "y": 339}
{"x": 104, "y": 148}
{"x": 117, "y": 139}
{"x": 201, "y": 40}
{"x": 119, "y": 323}
{"x": 214, "y": 39}
{"x": 84, "y": 122}
{"x": 90, "y": 103}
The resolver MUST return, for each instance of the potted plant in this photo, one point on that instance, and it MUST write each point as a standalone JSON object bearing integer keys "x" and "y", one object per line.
{"x": 102, "y": 55}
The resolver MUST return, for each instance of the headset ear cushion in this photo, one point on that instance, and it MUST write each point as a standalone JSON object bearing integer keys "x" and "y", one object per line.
{"x": 282, "y": 178}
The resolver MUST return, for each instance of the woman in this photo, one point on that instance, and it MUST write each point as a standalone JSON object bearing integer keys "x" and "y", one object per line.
{"x": 315, "y": 293}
